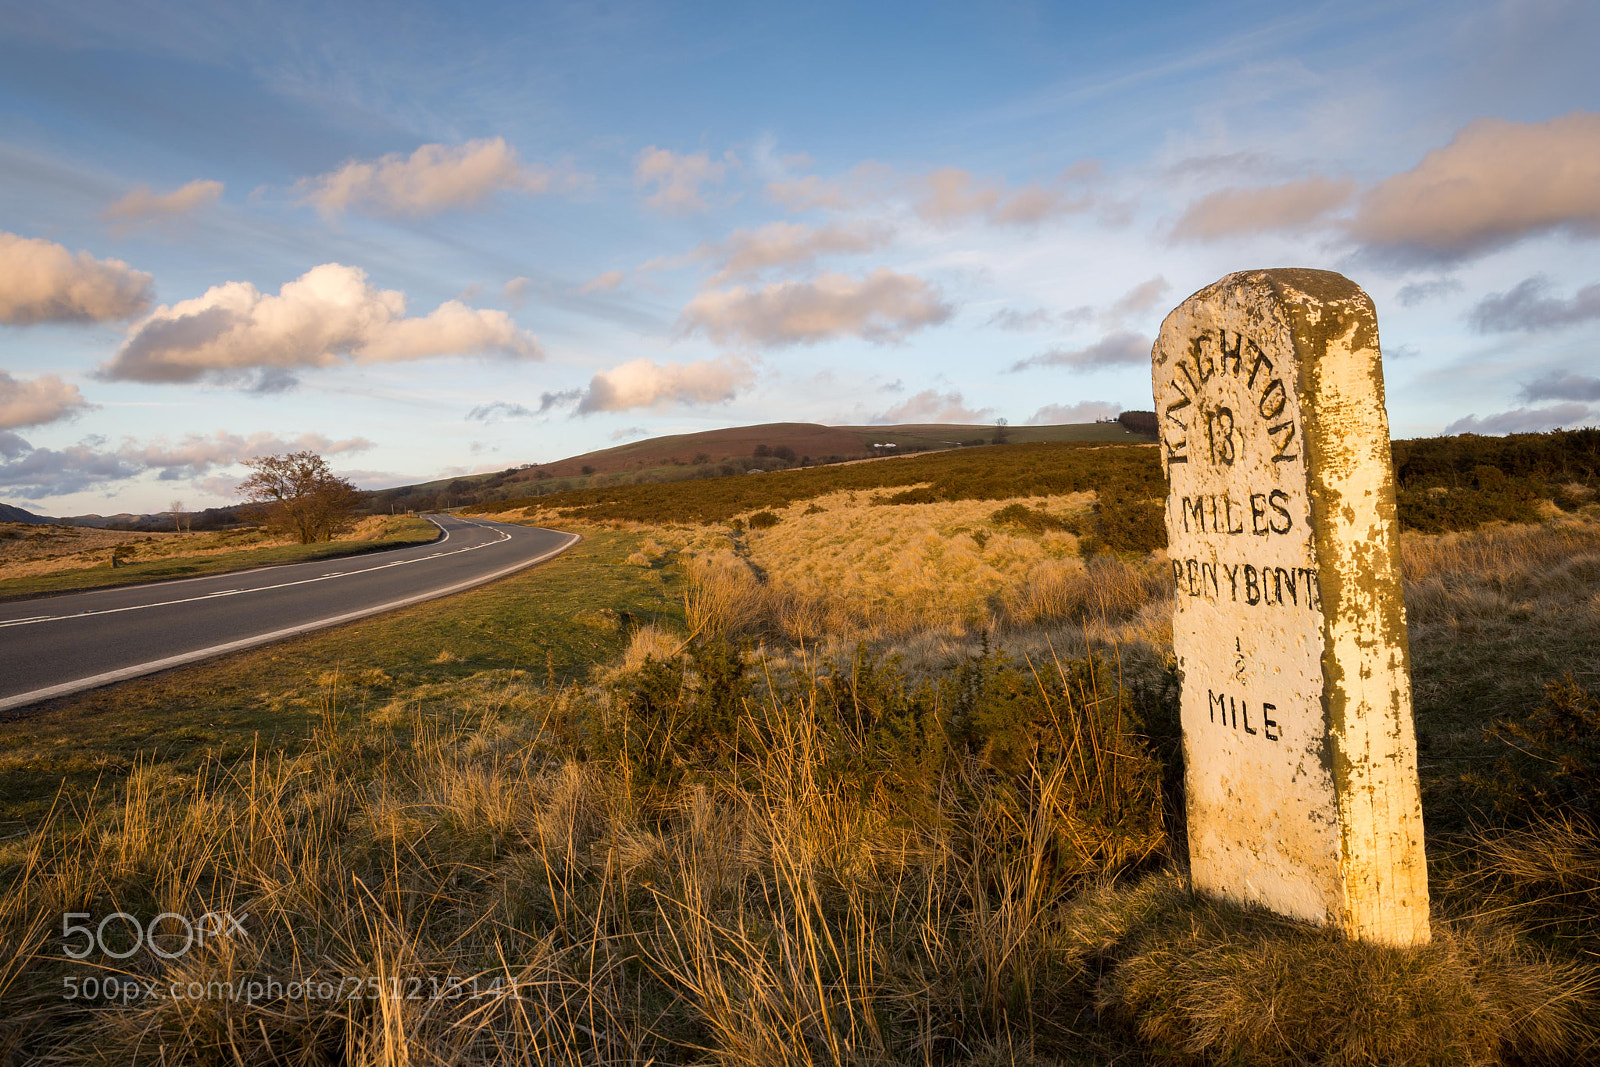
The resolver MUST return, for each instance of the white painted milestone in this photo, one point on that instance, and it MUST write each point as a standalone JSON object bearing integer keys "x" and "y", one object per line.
{"x": 1289, "y": 625}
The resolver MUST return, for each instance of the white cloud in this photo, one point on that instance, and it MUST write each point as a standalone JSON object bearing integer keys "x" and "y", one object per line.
{"x": 628, "y": 433}
{"x": 1526, "y": 420}
{"x": 675, "y": 180}
{"x": 434, "y": 178}
{"x": 1291, "y": 206}
{"x": 142, "y": 205}
{"x": 40, "y": 281}
{"x": 1074, "y": 414}
{"x": 1494, "y": 183}
{"x": 330, "y": 314}
{"x": 37, "y": 401}
{"x": 1124, "y": 349}
{"x": 881, "y": 307}
{"x": 747, "y": 252}
{"x": 646, "y": 384}
{"x": 931, "y": 406}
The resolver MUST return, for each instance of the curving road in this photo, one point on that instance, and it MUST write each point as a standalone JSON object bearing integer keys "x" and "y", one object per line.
{"x": 53, "y": 646}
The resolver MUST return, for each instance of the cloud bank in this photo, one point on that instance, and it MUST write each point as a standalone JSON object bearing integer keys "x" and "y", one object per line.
{"x": 881, "y": 307}
{"x": 329, "y": 315}
{"x": 37, "y": 401}
{"x": 47, "y": 472}
{"x": 434, "y": 178}
{"x": 40, "y": 281}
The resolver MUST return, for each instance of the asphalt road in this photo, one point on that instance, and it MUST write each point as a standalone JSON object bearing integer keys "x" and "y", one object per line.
{"x": 52, "y": 646}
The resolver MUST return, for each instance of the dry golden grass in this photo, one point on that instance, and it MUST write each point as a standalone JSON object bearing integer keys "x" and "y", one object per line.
{"x": 37, "y": 550}
{"x": 1202, "y": 980}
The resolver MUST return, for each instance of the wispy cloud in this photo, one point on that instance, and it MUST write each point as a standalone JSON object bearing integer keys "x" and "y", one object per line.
{"x": 1415, "y": 293}
{"x": 499, "y": 411}
{"x": 1525, "y": 307}
{"x": 788, "y": 244}
{"x": 434, "y": 178}
{"x": 1124, "y": 349}
{"x": 1074, "y": 414}
{"x": 1232, "y": 212}
{"x": 40, "y": 281}
{"x": 950, "y": 195}
{"x": 331, "y": 314}
{"x": 675, "y": 183}
{"x": 141, "y": 205}
{"x": 931, "y": 405}
{"x": 881, "y": 307}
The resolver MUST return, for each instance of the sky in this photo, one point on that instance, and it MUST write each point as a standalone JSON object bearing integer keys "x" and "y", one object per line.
{"x": 428, "y": 239}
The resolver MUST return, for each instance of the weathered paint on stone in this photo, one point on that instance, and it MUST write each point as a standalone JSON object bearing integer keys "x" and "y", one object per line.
{"x": 1290, "y": 626}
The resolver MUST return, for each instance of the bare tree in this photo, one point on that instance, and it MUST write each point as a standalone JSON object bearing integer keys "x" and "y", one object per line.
{"x": 298, "y": 493}
{"x": 180, "y": 515}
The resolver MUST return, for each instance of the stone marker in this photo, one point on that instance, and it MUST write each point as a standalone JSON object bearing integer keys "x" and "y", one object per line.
{"x": 1289, "y": 627}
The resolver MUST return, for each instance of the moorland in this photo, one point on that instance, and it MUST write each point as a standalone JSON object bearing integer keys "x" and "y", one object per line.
{"x": 866, "y": 763}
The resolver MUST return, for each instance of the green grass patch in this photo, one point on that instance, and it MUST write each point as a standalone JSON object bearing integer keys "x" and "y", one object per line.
{"x": 542, "y": 621}
{"x": 407, "y": 531}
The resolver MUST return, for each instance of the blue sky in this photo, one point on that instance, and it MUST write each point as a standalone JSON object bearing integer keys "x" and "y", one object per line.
{"x": 428, "y": 240}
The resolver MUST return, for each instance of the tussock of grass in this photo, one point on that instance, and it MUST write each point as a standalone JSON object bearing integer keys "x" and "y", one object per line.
{"x": 1204, "y": 980}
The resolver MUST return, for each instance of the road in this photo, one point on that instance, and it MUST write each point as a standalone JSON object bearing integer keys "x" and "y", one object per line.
{"x": 53, "y": 646}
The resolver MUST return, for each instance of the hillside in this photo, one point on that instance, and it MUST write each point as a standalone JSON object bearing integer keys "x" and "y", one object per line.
{"x": 717, "y": 453}
{"x": 15, "y": 514}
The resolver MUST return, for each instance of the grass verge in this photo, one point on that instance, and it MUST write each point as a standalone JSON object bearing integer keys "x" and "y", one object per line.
{"x": 395, "y": 533}
{"x": 542, "y": 621}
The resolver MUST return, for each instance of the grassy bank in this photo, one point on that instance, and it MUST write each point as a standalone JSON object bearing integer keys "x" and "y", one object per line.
{"x": 73, "y": 566}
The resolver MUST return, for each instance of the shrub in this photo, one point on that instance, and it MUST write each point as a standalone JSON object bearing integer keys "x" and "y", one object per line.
{"x": 1125, "y": 522}
{"x": 763, "y": 520}
{"x": 1035, "y": 520}
{"x": 1554, "y": 758}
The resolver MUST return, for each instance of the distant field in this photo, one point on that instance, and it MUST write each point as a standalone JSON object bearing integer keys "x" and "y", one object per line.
{"x": 36, "y": 560}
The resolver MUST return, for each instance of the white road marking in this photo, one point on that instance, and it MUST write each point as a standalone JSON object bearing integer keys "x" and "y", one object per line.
{"x": 94, "y": 681}
{"x": 266, "y": 588}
